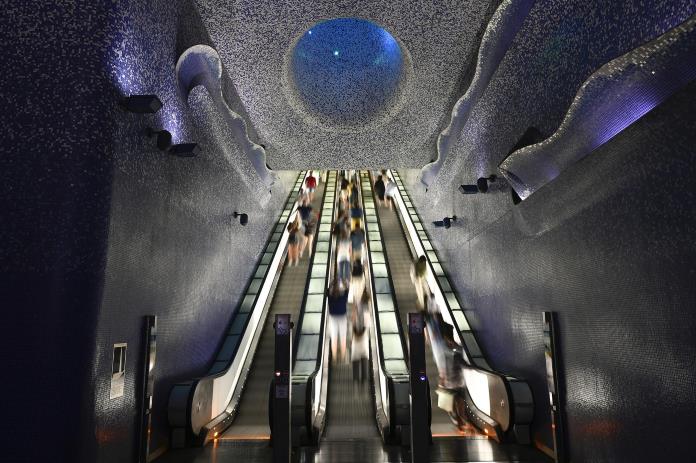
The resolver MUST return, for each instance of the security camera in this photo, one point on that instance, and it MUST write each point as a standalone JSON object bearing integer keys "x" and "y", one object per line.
{"x": 446, "y": 222}
{"x": 185, "y": 150}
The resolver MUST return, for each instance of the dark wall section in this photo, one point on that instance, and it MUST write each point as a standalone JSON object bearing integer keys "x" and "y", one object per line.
{"x": 100, "y": 228}
{"x": 609, "y": 245}
{"x": 55, "y": 183}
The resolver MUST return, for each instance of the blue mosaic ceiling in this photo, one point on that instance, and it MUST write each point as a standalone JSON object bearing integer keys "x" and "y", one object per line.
{"x": 346, "y": 69}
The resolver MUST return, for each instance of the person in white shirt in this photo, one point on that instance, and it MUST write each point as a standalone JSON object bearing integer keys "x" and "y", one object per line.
{"x": 391, "y": 191}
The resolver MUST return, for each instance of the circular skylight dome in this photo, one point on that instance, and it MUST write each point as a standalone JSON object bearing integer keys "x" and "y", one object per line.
{"x": 347, "y": 70}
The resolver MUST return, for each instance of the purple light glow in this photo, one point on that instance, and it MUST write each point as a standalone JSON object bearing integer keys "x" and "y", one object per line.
{"x": 632, "y": 110}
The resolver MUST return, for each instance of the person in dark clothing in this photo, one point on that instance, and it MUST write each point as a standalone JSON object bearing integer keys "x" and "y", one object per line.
{"x": 293, "y": 243}
{"x": 356, "y": 214}
{"x": 353, "y": 192}
{"x": 310, "y": 228}
{"x": 338, "y": 320}
{"x": 380, "y": 189}
{"x": 357, "y": 242}
{"x": 305, "y": 210}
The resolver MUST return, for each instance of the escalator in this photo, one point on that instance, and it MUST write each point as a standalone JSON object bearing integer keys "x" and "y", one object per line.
{"x": 497, "y": 405}
{"x": 252, "y": 421}
{"x": 231, "y": 402}
{"x": 400, "y": 260}
{"x": 351, "y": 409}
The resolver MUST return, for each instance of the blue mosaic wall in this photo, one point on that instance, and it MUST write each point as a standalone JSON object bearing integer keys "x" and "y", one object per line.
{"x": 101, "y": 228}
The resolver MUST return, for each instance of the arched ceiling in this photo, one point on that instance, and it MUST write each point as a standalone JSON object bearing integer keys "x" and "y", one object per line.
{"x": 437, "y": 44}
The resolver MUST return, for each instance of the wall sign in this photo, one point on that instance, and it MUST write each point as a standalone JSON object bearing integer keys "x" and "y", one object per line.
{"x": 118, "y": 370}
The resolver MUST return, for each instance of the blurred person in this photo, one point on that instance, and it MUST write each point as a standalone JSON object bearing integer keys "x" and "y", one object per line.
{"x": 379, "y": 190}
{"x": 353, "y": 189}
{"x": 357, "y": 281}
{"x": 342, "y": 223}
{"x": 419, "y": 274}
{"x": 390, "y": 192}
{"x": 311, "y": 185}
{"x": 356, "y": 214}
{"x": 310, "y": 229}
{"x": 338, "y": 322}
{"x": 293, "y": 243}
{"x": 357, "y": 242}
{"x": 343, "y": 251}
{"x": 433, "y": 324}
{"x": 304, "y": 212}
{"x": 343, "y": 193}
{"x": 360, "y": 342}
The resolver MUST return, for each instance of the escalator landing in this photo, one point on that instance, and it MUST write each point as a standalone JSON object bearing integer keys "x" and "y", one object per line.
{"x": 363, "y": 450}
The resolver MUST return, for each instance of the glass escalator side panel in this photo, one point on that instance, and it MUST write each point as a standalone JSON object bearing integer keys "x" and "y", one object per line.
{"x": 247, "y": 303}
{"x": 382, "y": 286}
{"x": 452, "y": 301}
{"x": 319, "y": 270}
{"x": 307, "y": 349}
{"x": 396, "y": 367}
{"x": 239, "y": 323}
{"x": 316, "y": 286}
{"x": 388, "y": 323}
{"x": 228, "y": 348}
{"x": 311, "y": 323}
{"x": 314, "y": 302}
{"x": 254, "y": 286}
{"x": 303, "y": 367}
{"x": 462, "y": 323}
{"x": 391, "y": 346}
{"x": 380, "y": 270}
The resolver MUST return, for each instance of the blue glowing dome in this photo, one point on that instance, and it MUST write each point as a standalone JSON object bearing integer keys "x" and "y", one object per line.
{"x": 347, "y": 69}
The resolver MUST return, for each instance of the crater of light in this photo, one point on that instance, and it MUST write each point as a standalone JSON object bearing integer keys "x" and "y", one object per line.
{"x": 347, "y": 69}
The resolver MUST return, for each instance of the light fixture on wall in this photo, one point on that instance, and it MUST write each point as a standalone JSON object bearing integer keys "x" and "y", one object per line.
{"x": 243, "y": 218}
{"x": 446, "y": 222}
{"x": 468, "y": 189}
{"x": 481, "y": 186}
{"x": 141, "y": 104}
{"x": 483, "y": 182}
{"x": 164, "y": 137}
{"x": 185, "y": 150}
